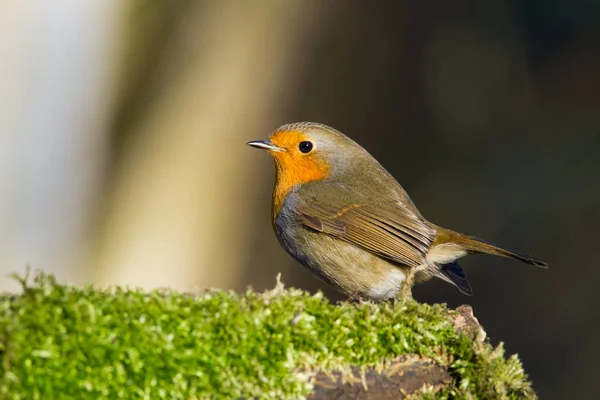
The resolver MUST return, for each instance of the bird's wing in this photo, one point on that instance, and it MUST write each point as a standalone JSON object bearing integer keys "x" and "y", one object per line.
{"x": 389, "y": 230}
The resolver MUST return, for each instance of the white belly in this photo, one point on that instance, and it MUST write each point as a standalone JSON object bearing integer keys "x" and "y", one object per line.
{"x": 388, "y": 287}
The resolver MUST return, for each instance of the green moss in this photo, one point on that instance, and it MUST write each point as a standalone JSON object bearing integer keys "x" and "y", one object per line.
{"x": 59, "y": 341}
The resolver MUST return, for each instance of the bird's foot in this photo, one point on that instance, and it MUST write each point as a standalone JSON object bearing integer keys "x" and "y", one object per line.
{"x": 405, "y": 293}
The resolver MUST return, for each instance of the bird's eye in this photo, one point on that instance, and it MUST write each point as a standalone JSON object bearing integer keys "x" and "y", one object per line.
{"x": 305, "y": 147}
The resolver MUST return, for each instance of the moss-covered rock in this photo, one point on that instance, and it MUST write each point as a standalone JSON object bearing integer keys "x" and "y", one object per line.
{"x": 60, "y": 341}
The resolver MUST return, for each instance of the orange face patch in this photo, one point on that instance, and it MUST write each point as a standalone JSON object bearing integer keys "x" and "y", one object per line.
{"x": 293, "y": 166}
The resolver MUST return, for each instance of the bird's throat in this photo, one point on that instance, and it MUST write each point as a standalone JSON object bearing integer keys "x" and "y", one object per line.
{"x": 290, "y": 173}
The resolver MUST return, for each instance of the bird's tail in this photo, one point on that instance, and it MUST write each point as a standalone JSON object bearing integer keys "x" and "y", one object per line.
{"x": 474, "y": 245}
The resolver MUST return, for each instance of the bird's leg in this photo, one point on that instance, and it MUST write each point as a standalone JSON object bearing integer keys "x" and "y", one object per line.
{"x": 405, "y": 292}
{"x": 354, "y": 298}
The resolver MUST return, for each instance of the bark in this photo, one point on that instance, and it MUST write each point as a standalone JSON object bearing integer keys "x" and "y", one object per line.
{"x": 404, "y": 376}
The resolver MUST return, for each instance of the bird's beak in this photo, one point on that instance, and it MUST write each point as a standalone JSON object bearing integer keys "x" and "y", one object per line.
{"x": 265, "y": 145}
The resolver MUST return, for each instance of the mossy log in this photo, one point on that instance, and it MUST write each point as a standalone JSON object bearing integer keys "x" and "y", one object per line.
{"x": 62, "y": 341}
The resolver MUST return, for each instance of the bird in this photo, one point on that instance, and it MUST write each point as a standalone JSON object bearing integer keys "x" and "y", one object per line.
{"x": 338, "y": 212}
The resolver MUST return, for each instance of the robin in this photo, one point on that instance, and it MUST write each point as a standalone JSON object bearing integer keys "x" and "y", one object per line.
{"x": 339, "y": 213}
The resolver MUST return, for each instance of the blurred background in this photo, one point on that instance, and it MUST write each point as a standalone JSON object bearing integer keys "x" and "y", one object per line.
{"x": 123, "y": 161}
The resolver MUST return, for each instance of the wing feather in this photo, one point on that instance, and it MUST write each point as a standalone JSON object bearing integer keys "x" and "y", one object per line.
{"x": 389, "y": 230}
